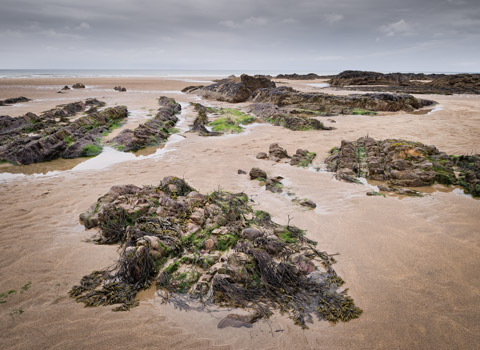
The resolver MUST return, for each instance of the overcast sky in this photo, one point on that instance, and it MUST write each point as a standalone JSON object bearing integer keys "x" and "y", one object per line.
{"x": 284, "y": 35}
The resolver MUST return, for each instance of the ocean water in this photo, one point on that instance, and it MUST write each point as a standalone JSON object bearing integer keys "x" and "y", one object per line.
{"x": 81, "y": 73}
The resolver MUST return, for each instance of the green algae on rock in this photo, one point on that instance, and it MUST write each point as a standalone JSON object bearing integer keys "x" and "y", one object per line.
{"x": 53, "y": 134}
{"x": 213, "y": 248}
{"x": 404, "y": 163}
{"x": 152, "y": 133}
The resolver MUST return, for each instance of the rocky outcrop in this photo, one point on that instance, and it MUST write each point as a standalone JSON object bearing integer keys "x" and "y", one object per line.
{"x": 42, "y": 138}
{"x": 13, "y": 100}
{"x": 325, "y": 103}
{"x": 154, "y": 132}
{"x": 409, "y": 82}
{"x": 284, "y": 117}
{"x": 78, "y": 86}
{"x": 295, "y": 76}
{"x": 201, "y": 121}
{"x": 404, "y": 163}
{"x": 355, "y": 77}
{"x": 215, "y": 248}
{"x": 233, "y": 89}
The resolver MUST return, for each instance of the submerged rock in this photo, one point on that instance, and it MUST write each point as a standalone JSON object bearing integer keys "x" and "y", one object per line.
{"x": 235, "y": 257}
{"x": 154, "y": 132}
{"x": 404, "y": 163}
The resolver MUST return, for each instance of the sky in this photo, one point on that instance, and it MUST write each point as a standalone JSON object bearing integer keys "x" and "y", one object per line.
{"x": 281, "y": 35}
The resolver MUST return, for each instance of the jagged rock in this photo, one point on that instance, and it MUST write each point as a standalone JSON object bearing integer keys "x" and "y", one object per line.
{"x": 13, "y": 100}
{"x": 409, "y": 82}
{"x": 232, "y": 90}
{"x": 153, "y": 132}
{"x": 325, "y": 103}
{"x": 277, "y": 153}
{"x": 295, "y": 76}
{"x": 403, "y": 163}
{"x": 303, "y": 158}
{"x": 67, "y": 139}
{"x": 78, "y": 86}
{"x": 257, "y": 173}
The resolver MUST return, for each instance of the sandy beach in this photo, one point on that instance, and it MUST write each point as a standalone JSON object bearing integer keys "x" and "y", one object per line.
{"x": 411, "y": 264}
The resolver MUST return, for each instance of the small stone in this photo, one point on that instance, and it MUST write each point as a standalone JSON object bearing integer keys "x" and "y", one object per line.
{"x": 237, "y": 321}
{"x": 241, "y": 172}
{"x": 192, "y": 228}
{"x": 262, "y": 155}
{"x": 209, "y": 244}
{"x": 251, "y": 233}
{"x": 257, "y": 173}
{"x": 308, "y": 203}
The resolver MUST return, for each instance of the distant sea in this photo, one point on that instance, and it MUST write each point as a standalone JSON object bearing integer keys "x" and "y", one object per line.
{"x": 69, "y": 73}
{"x": 74, "y": 73}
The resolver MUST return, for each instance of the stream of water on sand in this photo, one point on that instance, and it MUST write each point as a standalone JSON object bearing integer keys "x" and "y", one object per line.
{"x": 107, "y": 158}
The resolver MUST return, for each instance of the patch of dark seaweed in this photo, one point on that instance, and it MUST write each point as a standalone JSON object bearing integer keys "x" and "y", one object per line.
{"x": 214, "y": 249}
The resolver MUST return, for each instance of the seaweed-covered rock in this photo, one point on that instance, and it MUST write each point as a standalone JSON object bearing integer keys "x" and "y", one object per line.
{"x": 153, "y": 132}
{"x": 13, "y": 100}
{"x": 283, "y": 117}
{"x": 316, "y": 101}
{"x": 232, "y": 89}
{"x": 303, "y": 158}
{"x": 53, "y": 139}
{"x": 403, "y": 163}
{"x": 235, "y": 257}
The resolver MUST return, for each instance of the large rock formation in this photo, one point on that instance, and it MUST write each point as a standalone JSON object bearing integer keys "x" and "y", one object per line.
{"x": 295, "y": 76}
{"x": 153, "y": 132}
{"x": 320, "y": 102}
{"x": 408, "y": 82}
{"x": 404, "y": 163}
{"x": 13, "y": 100}
{"x": 232, "y": 89}
{"x": 31, "y": 138}
{"x": 213, "y": 248}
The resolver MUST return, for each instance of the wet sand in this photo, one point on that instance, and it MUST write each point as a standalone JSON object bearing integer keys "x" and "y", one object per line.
{"x": 410, "y": 263}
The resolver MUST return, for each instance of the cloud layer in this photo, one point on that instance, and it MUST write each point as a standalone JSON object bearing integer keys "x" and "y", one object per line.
{"x": 305, "y": 35}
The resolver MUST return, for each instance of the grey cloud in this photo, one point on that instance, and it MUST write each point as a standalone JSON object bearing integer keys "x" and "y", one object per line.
{"x": 303, "y": 35}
